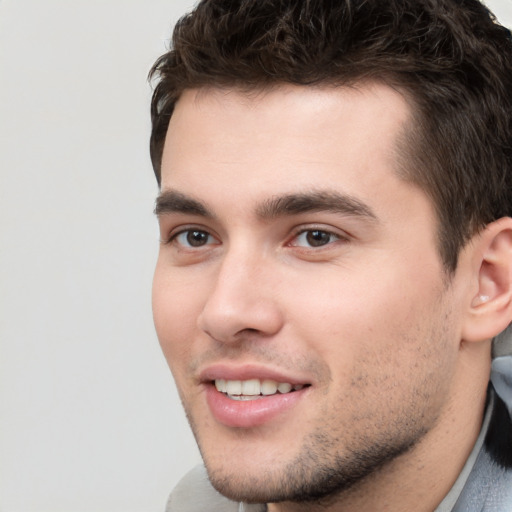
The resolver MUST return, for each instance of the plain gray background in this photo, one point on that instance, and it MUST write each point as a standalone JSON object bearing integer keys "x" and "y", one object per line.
{"x": 89, "y": 419}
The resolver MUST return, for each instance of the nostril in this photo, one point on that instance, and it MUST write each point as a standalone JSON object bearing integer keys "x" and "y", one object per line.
{"x": 249, "y": 331}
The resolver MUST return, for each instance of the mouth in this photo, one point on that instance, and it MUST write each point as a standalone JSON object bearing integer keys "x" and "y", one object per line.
{"x": 254, "y": 389}
{"x": 253, "y": 395}
{"x": 235, "y": 401}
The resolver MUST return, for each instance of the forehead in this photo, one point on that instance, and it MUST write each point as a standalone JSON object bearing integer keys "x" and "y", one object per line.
{"x": 284, "y": 140}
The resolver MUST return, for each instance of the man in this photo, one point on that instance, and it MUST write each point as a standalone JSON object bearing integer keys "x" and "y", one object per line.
{"x": 335, "y": 267}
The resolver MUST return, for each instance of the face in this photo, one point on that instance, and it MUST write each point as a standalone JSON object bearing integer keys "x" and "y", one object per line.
{"x": 299, "y": 297}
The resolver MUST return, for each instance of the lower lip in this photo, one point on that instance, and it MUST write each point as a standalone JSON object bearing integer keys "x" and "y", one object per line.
{"x": 250, "y": 413}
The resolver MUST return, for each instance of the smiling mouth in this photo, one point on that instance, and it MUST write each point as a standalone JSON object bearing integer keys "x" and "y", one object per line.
{"x": 254, "y": 389}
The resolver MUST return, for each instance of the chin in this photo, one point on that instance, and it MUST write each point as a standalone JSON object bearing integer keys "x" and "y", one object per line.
{"x": 316, "y": 475}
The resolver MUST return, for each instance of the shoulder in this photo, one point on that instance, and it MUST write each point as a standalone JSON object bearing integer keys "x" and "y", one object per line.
{"x": 489, "y": 486}
{"x": 195, "y": 493}
{"x": 488, "y": 489}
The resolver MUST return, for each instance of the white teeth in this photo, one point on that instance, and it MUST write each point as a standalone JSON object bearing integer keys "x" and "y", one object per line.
{"x": 284, "y": 387}
{"x": 234, "y": 387}
{"x": 251, "y": 387}
{"x": 220, "y": 384}
{"x": 244, "y": 390}
{"x": 268, "y": 387}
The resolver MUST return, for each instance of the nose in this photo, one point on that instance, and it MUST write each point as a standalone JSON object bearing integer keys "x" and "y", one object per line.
{"x": 242, "y": 301}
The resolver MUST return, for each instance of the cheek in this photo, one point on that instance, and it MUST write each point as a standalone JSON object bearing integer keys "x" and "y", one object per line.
{"x": 175, "y": 314}
{"x": 339, "y": 305}
{"x": 361, "y": 318}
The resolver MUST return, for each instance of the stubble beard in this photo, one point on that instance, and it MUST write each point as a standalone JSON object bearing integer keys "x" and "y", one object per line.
{"x": 335, "y": 461}
{"x": 317, "y": 475}
{"x": 341, "y": 459}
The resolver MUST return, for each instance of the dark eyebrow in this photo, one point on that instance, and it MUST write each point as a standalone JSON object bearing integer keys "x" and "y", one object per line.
{"x": 171, "y": 201}
{"x": 319, "y": 201}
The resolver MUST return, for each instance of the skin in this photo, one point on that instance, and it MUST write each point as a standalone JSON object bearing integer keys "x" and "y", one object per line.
{"x": 368, "y": 318}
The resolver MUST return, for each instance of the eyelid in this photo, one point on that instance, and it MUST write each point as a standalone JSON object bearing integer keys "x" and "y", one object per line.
{"x": 339, "y": 234}
{"x": 179, "y": 230}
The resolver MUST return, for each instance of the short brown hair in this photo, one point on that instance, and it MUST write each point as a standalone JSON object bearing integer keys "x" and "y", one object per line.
{"x": 450, "y": 59}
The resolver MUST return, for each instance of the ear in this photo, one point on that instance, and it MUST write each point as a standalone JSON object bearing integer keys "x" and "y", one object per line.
{"x": 490, "y": 309}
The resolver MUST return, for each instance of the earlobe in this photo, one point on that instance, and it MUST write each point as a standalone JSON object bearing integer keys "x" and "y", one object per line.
{"x": 490, "y": 310}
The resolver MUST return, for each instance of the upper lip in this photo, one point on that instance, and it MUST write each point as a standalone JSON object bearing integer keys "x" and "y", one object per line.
{"x": 246, "y": 372}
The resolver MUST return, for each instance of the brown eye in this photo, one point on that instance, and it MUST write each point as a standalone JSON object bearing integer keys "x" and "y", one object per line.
{"x": 314, "y": 238}
{"x": 317, "y": 238}
{"x": 197, "y": 238}
{"x": 194, "y": 238}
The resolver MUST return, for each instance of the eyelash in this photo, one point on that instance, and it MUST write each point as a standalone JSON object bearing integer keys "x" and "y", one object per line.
{"x": 333, "y": 237}
{"x": 319, "y": 231}
{"x": 173, "y": 237}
